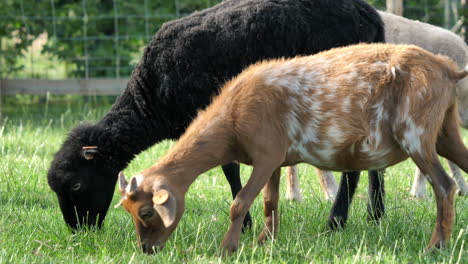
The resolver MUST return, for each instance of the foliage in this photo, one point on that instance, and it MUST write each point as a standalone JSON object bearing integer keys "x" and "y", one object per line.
{"x": 32, "y": 229}
{"x": 104, "y": 38}
{"x": 101, "y": 38}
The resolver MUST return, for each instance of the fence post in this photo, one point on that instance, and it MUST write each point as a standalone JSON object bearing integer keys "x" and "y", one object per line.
{"x": 395, "y": 7}
{"x": 464, "y": 15}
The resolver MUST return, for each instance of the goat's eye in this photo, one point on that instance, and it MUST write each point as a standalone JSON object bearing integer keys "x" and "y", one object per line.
{"x": 76, "y": 186}
{"x": 146, "y": 214}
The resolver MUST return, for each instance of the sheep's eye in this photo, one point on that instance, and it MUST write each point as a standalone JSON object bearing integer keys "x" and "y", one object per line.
{"x": 76, "y": 186}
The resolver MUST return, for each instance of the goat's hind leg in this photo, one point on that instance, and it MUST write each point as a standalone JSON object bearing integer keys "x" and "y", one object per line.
{"x": 418, "y": 190}
{"x": 328, "y": 184}
{"x": 293, "y": 192}
{"x": 444, "y": 190}
{"x": 449, "y": 142}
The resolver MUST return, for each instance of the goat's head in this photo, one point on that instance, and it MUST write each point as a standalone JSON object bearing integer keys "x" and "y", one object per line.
{"x": 156, "y": 209}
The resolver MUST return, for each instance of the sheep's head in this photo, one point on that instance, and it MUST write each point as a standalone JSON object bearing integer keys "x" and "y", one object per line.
{"x": 155, "y": 207}
{"x": 83, "y": 174}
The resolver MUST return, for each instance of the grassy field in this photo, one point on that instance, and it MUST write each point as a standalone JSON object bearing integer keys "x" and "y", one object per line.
{"x": 32, "y": 229}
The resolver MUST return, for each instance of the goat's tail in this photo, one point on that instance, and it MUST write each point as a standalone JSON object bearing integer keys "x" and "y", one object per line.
{"x": 458, "y": 75}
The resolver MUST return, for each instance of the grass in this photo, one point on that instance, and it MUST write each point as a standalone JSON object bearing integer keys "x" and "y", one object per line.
{"x": 32, "y": 229}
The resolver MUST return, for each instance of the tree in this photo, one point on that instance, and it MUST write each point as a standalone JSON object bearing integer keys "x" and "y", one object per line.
{"x": 101, "y": 38}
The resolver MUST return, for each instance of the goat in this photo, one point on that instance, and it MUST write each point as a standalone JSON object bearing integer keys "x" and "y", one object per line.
{"x": 437, "y": 40}
{"x": 395, "y": 102}
{"x": 398, "y": 30}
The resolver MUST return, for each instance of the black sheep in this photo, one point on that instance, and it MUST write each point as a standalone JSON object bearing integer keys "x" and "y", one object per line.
{"x": 183, "y": 66}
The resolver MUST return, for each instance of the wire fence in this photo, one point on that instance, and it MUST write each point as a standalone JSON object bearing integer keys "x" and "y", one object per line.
{"x": 81, "y": 39}
{"x": 59, "y": 39}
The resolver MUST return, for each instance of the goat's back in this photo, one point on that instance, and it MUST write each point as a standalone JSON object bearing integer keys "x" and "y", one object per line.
{"x": 346, "y": 102}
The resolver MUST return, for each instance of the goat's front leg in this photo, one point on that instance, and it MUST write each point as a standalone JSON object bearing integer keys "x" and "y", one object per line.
{"x": 270, "y": 206}
{"x": 232, "y": 173}
{"x": 339, "y": 212}
{"x": 241, "y": 204}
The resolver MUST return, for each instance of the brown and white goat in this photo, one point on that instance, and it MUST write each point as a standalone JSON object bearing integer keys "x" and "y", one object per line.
{"x": 367, "y": 106}
{"x": 400, "y": 30}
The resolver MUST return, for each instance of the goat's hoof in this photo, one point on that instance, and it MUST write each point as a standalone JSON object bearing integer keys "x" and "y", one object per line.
{"x": 247, "y": 224}
{"x": 228, "y": 250}
{"x": 435, "y": 244}
{"x": 433, "y": 248}
{"x": 262, "y": 238}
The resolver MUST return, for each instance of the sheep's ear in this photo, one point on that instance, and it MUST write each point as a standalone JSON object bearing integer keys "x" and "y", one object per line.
{"x": 122, "y": 183}
{"x": 89, "y": 152}
{"x": 165, "y": 204}
{"x": 122, "y": 188}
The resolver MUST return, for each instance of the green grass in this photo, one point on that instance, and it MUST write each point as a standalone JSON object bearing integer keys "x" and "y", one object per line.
{"x": 32, "y": 229}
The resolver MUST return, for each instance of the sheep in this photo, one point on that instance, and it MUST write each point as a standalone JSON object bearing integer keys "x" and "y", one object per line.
{"x": 181, "y": 68}
{"x": 367, "y": 106}
{"x": 398, "y": 30}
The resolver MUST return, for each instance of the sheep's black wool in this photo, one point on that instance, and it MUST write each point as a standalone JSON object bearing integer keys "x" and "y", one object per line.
{"x": 183, "y": 66}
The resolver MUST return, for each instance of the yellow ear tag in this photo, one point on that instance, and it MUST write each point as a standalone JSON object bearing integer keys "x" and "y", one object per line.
{"x": 160, "y": 197}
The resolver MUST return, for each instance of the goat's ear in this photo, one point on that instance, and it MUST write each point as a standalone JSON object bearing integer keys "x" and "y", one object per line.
{"x": 133, "y": 185}
{"x": 165, "y": 204}
{"x": 89, "y": 152}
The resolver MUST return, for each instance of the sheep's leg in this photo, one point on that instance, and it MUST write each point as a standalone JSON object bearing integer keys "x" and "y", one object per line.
{"x": 232, "y": 173}
{"x": 328, "y": 183}
{"x": 293, "y": 193}
{"x": 241, "y": 204}
{"x": 458, "y": 177}
{"x": 418, "y": 190}
{"x": 339, "y": 212}
{"x": 444, "y": 190}
{"x": 375, "y": 205}
{"x": 270, "y": 206}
